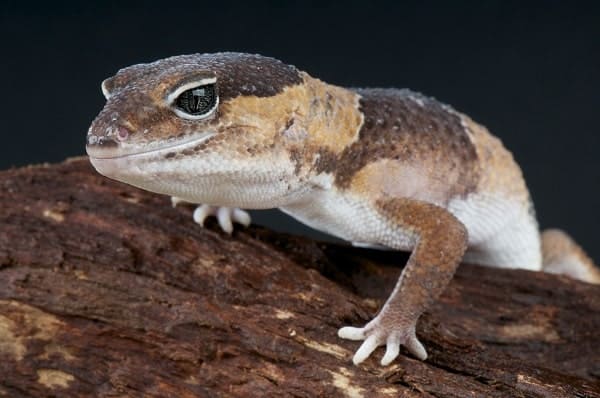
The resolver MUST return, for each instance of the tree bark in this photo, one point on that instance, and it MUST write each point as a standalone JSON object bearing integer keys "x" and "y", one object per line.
{"x": 106, "y": 290}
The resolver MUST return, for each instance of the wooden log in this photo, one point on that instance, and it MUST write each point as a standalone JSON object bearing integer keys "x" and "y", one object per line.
{"x": 106, "y": 290}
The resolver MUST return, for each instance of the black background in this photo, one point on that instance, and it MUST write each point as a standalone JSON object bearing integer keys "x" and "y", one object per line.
{"x": 529, "y": 72}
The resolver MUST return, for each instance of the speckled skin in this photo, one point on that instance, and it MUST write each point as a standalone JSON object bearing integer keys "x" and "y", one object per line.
{"x": 377, "y": 167}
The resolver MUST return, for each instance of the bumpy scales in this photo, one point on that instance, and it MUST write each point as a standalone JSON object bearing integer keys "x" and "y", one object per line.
{"x": 383, "y": 168}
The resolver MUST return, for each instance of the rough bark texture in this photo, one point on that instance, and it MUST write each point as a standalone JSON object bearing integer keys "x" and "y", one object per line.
{"x": 106, "y": 290}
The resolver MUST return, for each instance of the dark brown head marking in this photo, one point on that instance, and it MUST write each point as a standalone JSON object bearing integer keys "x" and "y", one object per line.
{"x": 237, "y": 73}
{"x": 326, "y": 161}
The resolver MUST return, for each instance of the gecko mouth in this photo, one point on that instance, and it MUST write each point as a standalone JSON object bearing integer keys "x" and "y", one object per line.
{"x": 121, "y": 151}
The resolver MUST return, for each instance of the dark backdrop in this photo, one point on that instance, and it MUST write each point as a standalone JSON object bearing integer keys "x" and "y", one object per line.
{"x": 528, "y": 72}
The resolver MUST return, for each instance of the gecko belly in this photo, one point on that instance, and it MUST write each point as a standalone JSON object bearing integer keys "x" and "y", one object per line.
{"x": 351, "y": 219}
{"x": 502, "y": 232}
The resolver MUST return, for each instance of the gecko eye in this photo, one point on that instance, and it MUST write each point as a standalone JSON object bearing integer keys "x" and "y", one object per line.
{"x": 196, "y": 102}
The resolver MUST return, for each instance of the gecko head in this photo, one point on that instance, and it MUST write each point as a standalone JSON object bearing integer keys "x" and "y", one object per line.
{"x": 219, "y": 116}
{"x": 209, "y": 112}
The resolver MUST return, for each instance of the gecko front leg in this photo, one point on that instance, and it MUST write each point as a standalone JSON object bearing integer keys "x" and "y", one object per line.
{"x": 226, "y": 216}
{"x": 441, "y": 243}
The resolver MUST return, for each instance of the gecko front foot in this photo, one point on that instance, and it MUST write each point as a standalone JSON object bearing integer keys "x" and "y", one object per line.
{"x": 383, "y": 330}
{"x": 226, "y": 216}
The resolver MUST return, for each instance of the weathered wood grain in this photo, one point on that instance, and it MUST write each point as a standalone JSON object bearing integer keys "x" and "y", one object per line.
{"x": 105, "y": 290}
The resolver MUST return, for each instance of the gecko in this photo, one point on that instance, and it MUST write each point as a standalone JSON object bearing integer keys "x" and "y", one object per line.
{"x": 386, "y": 168}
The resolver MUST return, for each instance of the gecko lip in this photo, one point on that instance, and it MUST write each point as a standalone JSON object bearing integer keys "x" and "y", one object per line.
{"x": 96, "y": 152}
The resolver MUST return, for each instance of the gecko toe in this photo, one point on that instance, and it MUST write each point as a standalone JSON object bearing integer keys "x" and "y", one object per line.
{"x": 392, "y": 350}
{"x": 241, "y": 217}
{"x": 366, "y": 349}
{"x": 224, "y": 218}
{"x": 201, "y": 213}
{"x": 352, "y": 333}
{"x": 414, "y": 346}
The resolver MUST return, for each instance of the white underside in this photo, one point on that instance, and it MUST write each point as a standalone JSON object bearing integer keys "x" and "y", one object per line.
{"x": 350, "y": 219}
{"x": 501, "y": 233}
{"x": 207, "y": 178}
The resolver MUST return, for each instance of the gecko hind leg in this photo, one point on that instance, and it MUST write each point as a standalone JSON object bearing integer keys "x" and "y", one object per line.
{"x": 226, "y": 216}
{"x": 562, "y": 255}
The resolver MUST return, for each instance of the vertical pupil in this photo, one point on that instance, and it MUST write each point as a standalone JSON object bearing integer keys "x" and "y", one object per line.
{"x": 197, "y": 102}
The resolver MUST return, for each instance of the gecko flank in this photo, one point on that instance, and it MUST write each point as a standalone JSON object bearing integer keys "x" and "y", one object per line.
{"x": 378, "y": 167}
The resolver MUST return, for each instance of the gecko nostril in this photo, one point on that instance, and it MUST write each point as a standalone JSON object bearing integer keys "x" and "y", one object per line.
{"x": 122, "y": 133}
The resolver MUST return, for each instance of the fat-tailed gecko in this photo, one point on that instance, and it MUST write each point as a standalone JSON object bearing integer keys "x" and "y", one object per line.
{"x": 377, "y": 167}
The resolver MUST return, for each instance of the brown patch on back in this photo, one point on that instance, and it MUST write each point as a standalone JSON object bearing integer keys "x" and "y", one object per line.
{"x": 402, "y": 128}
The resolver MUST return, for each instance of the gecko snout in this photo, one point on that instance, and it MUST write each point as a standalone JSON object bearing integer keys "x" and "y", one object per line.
{"x": 106, "y": 134}
{"x": 105, "y": 147}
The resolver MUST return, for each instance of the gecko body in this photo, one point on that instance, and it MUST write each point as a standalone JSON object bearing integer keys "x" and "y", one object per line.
{"x": 377, "y": 167}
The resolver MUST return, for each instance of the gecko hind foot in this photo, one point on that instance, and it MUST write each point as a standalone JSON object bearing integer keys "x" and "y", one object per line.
{"x": 226, "y": 216}
{"x": 375, "y": 333}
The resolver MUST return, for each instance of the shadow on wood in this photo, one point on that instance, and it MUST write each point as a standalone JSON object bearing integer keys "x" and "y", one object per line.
{"x": 106, "y": 290}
